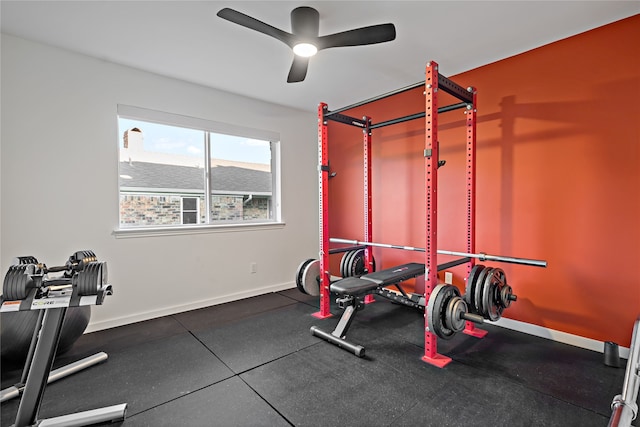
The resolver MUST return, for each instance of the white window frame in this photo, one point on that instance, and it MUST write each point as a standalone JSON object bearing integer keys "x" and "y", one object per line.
{"x": 171, "y": 119}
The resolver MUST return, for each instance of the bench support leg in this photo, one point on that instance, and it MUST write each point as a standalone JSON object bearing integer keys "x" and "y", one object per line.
{"x": 338, "y": 335}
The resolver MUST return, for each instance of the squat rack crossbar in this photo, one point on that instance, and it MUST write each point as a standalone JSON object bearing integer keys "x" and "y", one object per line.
{"x": 432, "y": 83}
{"x": 444, "y": 83}
{"x": 360, "y": 123}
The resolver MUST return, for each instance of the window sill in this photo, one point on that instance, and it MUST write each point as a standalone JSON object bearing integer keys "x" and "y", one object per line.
{"x": 125, "y": 233}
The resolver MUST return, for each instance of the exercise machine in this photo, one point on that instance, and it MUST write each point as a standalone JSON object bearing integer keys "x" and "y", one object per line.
{"x": 446, "y": 310}
{"x": 27, "y": 286}
{"x": 624, "y": 408}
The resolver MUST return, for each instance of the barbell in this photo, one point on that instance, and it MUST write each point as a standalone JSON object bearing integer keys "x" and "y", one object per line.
{"x": 480, "y": 256}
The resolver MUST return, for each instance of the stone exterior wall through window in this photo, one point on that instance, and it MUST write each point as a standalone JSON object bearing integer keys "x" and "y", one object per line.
{"x": 156, "y": 210}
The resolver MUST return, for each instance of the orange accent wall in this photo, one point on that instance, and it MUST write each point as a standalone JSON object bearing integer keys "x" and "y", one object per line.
{"x": 558, "y": 179}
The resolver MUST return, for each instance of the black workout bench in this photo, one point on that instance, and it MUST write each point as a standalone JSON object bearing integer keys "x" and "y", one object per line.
{"x": 351, "y": 289}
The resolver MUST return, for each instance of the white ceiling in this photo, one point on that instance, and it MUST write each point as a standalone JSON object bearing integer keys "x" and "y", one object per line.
{"x": 187, "y": 41}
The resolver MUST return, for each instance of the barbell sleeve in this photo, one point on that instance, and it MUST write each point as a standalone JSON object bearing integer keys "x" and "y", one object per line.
{"x": 472, "y": 318}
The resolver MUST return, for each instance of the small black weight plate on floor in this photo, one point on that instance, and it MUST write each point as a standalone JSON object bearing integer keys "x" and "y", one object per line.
{"x": 436, "y": 309}
{"x": 472, "y": 280}
{"x": 299, "y": 272}
{"x": 477, "y": 291}
{"x": 310, "y": 278}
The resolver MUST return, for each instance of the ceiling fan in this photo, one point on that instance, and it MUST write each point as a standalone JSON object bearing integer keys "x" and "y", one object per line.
{"x": 304, "y": 38}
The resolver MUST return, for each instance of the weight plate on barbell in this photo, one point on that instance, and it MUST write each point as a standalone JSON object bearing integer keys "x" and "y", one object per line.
{"x": 472, "y": 280}
{"x": 299, "y": 272}
{"x": 436, "y": 309}
{"x": 456, "y": 307}
{"x": 356, "y": 265}
{"x": 347, "y": 264}
{"x": 478, "y": 290}
{"x": 491, "y": 294}
{"x": 310, "y": 278}
{"x": 343, "y": 263}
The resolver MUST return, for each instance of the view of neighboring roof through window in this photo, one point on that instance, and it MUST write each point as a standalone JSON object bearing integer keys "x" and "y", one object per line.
{"x": 165, "y": 171}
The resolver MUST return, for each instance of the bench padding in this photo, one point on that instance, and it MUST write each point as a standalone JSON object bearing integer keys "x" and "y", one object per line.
{"x": 365, "y": 284}
{"x": 353, "y": 286}
{"x": 394, "y": 275}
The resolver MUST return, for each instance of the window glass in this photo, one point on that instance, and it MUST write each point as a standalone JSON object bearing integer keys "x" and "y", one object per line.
{"x": 165, "y": 171}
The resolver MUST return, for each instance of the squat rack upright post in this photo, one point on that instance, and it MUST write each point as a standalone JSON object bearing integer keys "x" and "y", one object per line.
{"x": 432, "y": 84}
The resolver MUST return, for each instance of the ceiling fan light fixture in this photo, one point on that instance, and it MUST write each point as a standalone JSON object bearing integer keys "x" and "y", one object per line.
{"x": 305, "y": 50}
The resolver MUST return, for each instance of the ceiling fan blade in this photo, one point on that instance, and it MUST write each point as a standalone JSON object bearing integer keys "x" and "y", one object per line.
{"x": 259, "y": 26}
{"x": 298, "y": 70}
{"x": 360, "y": 36}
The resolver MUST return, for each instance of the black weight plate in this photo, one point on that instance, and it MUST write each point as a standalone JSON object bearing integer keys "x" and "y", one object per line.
{"x": 343, "y": 262}
{"x": 88, "y": 279}
{"x": 356, "y": 264}
{"x": 347, "y": 263}
{"x": 356, "y": 260}
{"x": 299, "y": 272}
{"x": 7, "y": 284}
{"x": 486, "y": 294}
{"x": 310, "y": 277}
{"x": 18, "y": 282}
{"x": 82, "y": 279}
{"x": 471, "y": 283}
{"x": 15, "y": 273}
{"x": 477, "y": 290}
{"x": 455, "y": 308}
{"x": 491, "y": 294}
{"x": 96, "y": 277}
{"x": 436, "y": 310}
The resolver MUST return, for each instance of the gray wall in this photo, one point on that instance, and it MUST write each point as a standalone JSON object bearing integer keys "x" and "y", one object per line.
{"x": 59, "y": 184}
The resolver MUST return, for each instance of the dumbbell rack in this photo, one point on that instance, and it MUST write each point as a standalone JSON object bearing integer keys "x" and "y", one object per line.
{"x": 434, "y": 82}
{"x": 54, "y": 308}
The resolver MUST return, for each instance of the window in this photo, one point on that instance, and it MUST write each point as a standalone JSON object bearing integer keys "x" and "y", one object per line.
{"x": 176, "y": 171}
{"x": 190, "y": 210}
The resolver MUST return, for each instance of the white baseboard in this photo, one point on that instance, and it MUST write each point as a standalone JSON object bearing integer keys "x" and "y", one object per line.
{"x": 167, "y": 311}
{"x": 559, "y": 336}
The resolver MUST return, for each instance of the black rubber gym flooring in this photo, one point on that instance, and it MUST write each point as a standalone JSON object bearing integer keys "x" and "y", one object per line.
{"x": 254, "y": 363}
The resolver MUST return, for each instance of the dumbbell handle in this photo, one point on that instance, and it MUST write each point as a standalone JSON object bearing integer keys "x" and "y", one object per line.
{"x": 56, "y": 269}
{"x": 472, "y": 318}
